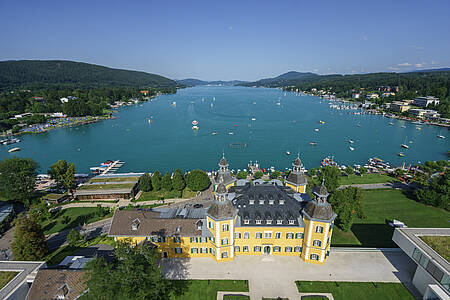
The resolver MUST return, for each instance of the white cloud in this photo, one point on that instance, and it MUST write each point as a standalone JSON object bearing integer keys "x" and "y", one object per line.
{"x": 420, "y": 65}
{"x": 316, "y": 70}
{"x": 405, "y": 64}
{"x": 393, "y": 68}
{"x": 434, "y": 62}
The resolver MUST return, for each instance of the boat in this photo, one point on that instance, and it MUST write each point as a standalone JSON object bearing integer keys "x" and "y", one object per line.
{"x": 359, "y": 125}
{"x": 214, "y": 133}
{"x": 419, "y": 128}
{"x": 441, "y": 136}
{"x": 390, "y": 123}
{"x": 230, "y": 133}
{"x": 403, "y": 126}
{"x": 321, "y": 122}
{"x": 195, "y": 122}
{"x": 253, "y": 119}
{"x": 278, "y": 103}
{"x": 313, "y": 143}
{"x": 195, "y": 127}
{"x": 351, "y": 148}
{"x": 351, "y": 141}
{"x": 400, "y": 154}
{"x": 317, "y": 129}
{"x": 14, "y": 149}
{"x": 288, "y": 153}
{"x": 173, "y": 103}
{"x": 404, "y": 144}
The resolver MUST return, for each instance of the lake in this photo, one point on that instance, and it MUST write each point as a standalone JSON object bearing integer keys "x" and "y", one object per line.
{"x": 252, "y": 116}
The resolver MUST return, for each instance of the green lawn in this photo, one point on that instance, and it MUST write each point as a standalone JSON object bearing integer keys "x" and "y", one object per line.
{"x": 205, "y": 289}
{"x": 356, "y": 290}
{"x": 440, "y": 244}
{"x": 162, "y": 194}
{"x": 383, "y": 205}
{"x": 78, "y": 216}
{"x": 5, "y": 277}
{"x": 367, "y": 178}
{"x": 59, "y": 254}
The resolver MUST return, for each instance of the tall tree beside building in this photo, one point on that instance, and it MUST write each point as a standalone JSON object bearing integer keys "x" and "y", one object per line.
{"x": 242, "y": 175}
{"x": 145, "y": 183}
{"x": 347, "y": 205}
{"x": 166, "y": 182}
{"x": 64, "y": 174}
{"x": 17, "y": 179}
{"x": 178, "y": 181}
{"x": 197, "y": 180}
{"x": 29, "y": 239}
{"x": 134, "y": 274}
{"x": 331, "y": 176}
{"x": 156, "y": 180}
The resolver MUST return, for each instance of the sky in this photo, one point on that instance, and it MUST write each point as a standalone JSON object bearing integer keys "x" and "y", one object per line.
{"x": 228, "y": 40}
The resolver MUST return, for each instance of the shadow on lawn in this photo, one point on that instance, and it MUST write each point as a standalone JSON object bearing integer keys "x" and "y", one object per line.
{"x": 374, "y": 235}
{"x": 176, "y": 271}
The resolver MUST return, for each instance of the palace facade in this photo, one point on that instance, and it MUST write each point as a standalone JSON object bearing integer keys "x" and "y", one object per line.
{"x": 244, "y": 219}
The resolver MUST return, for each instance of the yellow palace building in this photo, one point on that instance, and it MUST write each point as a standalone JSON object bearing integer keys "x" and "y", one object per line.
{"x": 244, "y": 219}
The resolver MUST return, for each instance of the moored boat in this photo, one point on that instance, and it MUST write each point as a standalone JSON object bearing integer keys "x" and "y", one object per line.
{"x": 14, "y": 149}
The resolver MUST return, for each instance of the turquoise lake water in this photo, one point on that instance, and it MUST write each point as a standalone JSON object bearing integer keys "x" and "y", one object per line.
{"x": 169, "y": 141}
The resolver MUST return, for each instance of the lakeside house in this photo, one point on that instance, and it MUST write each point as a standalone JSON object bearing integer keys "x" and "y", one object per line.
{"x": 425, "y": 101}
{"x": 399, "y": 106}
{"x": 110, "y": 187}
{"x": 263, "y": 218}
{"x": 424, "y": 113}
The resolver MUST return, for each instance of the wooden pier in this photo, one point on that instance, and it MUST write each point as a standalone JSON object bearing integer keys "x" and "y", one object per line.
{"x": 112, "y": 168}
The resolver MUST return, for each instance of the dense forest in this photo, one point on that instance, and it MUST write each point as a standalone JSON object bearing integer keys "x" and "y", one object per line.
{"x": 410, "y": 85}
{"x": 32, "y": 74}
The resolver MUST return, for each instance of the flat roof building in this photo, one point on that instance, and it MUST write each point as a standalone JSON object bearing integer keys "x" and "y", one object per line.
{"x": 425, "y": 101}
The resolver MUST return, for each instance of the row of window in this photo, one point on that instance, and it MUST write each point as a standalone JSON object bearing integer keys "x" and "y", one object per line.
{"x": 431, "y": 268}
{"x": 275, "y": 249}
{"x": 259, "y": 222}
{"x": 268, "y": 235}
{"x": 225, "y": 227}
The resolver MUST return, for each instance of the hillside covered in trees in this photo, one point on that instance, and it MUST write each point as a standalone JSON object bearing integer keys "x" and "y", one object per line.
{"x": 36, "y": 74}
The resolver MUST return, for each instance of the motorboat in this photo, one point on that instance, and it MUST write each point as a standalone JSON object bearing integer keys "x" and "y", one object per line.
{"x": 195, "y": 127}
{"x": 400, "y": 154}
{"x": 195, "y": 122}
{"x": 214, "y": 133}
{"x": 441, "y": 136}
{"x": 288, "y": 153}
{"x": 351, "y": 141}
{"x": 351, "y": 148}
{"x": 14, "y": 149}
{"x": 321, "y": 122}
{"x": 404, "y": 144}
{"x": 317, "y": 129}
{"x": 313, "y": 143}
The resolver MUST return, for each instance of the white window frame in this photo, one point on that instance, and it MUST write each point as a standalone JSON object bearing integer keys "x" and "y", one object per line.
{"x": 224, "y": 254}
{"x": 178, "y": 250}
{"x": 317, "y": 243}
{"x": 298, "y": 235}
{"x": 314, "y": 257}
{"x": 224, "y": 241}
{"x": 261, "y": 202}
{"x": 288, "y": 248}
{"x": 297, "y": 249}
{"x": 245, "y": 249}
{"x": 237, "y": 235}
{"x": 258, "y": 222}
{"x": 194, "y": 250}
{"x": 271, "y": 202}
{"x": 257, "y": 249}
{"x": 246, "y": 235}
{"x": 237, "y": 249}
{"x": 276, "y": 248}
{"x": 225, "y": 227}
{"x": 246, "y": 222}
{"x": 269, "y": 222}
{"x": 278, "y": 235}
{"x": 291, "y": 222}
{"x": 203, "y": 250}
{"x": 258, "y": 234}
{"x": 281, "y": 201}
{"x": 279, "y": 222}
{"x": 267, "y": 234}
{"x": 251, "y": 202}
{"x": 319, "y": 229}
{"x": 289, "y": 235}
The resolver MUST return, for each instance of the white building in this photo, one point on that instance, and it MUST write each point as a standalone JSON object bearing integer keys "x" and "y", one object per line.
{"x": 425, "y": 101}
{"x": 432, "y": 275}
{"x": 372, "y": 96}
{"x": 356, "y": 95}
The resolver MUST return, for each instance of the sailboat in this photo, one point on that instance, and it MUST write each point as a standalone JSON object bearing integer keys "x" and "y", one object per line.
{"x": 404, "y": 144}
{"x": 441, "y": 136}
{"x": 351, "y": 148}
{"x": 400, "y": 154}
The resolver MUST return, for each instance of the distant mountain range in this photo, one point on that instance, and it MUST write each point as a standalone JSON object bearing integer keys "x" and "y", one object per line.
{"x": 63, "y": 73}
{"x": 283, "y": 79}
{"x": 195, "y": 82}
{"x": 433, "y": 70}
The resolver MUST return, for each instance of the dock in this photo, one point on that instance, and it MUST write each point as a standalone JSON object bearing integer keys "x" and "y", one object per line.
{"x": 112, "y": 168}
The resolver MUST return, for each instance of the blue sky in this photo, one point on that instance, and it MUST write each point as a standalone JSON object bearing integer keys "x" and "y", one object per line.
{"x": 227, "y": 40}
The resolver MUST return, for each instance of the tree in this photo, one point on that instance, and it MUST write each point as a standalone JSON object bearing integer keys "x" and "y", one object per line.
{"x": 133, "y": 274}
{"x": 437, "y": 192}
{"x": 197, "y": 180}
{"x": 156, "y": 180}
{"x": 17, "y": 179}
{"x": 258, "y": 175}
{"x": 347, "y": 205}
{"x": 64, "y": 174}
{"x": 312, "y": 172}
{"x": 29, "y": 239}
{"x": 242, "y": 175}
{"x": 145, "y": 183}
{"x": 331, "y": 176}
{"x": 399, "y": 172}
{"x": 362, "y": 170}
{"x": 275, "y": 174}
{"x": 101, "y": 211}
{"x": 73, "y": 238}
{"x": 166, "y": 182}
{"x": 349, "y": 170}
{"x": 178, "y": 182}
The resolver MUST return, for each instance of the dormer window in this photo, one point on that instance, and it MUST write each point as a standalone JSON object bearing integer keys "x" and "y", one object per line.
{"x": 251, "y": 201}
{"x": 246, "y": 222}
{"x": 199, "y": 225}
{"x": 135, "y": 224}
{"x": 258, "y": 221}
{"x": 281, "y": 201}
{"x": 261, "y": 202}
{"x": 271, "y": 202}
{"x": 269, "y": 221}
{"x": 291, "y": 222}
{"x": 62, "y": 292}
{"x": 279, "y": 222}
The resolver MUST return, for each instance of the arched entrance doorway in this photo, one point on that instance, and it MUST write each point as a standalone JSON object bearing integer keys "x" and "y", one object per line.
{"x": 266, "y": 250}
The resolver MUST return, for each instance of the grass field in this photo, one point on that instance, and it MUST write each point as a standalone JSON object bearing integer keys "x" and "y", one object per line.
{"x": 162, "y": 194}
{"x": 77, "y": 216}
{"x": 381, "y": 206}
{"x": 367, "y": 178}
{"x": 205, "y": 289}
{"x": 5, "y": 277}
{"x": 59, "y": 254}
{"x": 440, "y": 244}
{"x": 356, "y": 290}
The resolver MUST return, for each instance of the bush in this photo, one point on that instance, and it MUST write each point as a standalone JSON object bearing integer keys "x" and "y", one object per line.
{"x": 65, "y": 220}
{"x": 145, "y": 183}
{"x": 242, "y": 175}
{"x": 275, "y": 174}
{"x": 73, "y": 238}
{"x": 258, "y": 175}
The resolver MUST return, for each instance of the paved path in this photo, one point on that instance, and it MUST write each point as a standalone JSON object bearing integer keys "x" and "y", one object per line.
{"x": 386, "y": 185}
{"x": 272, "y": 276}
